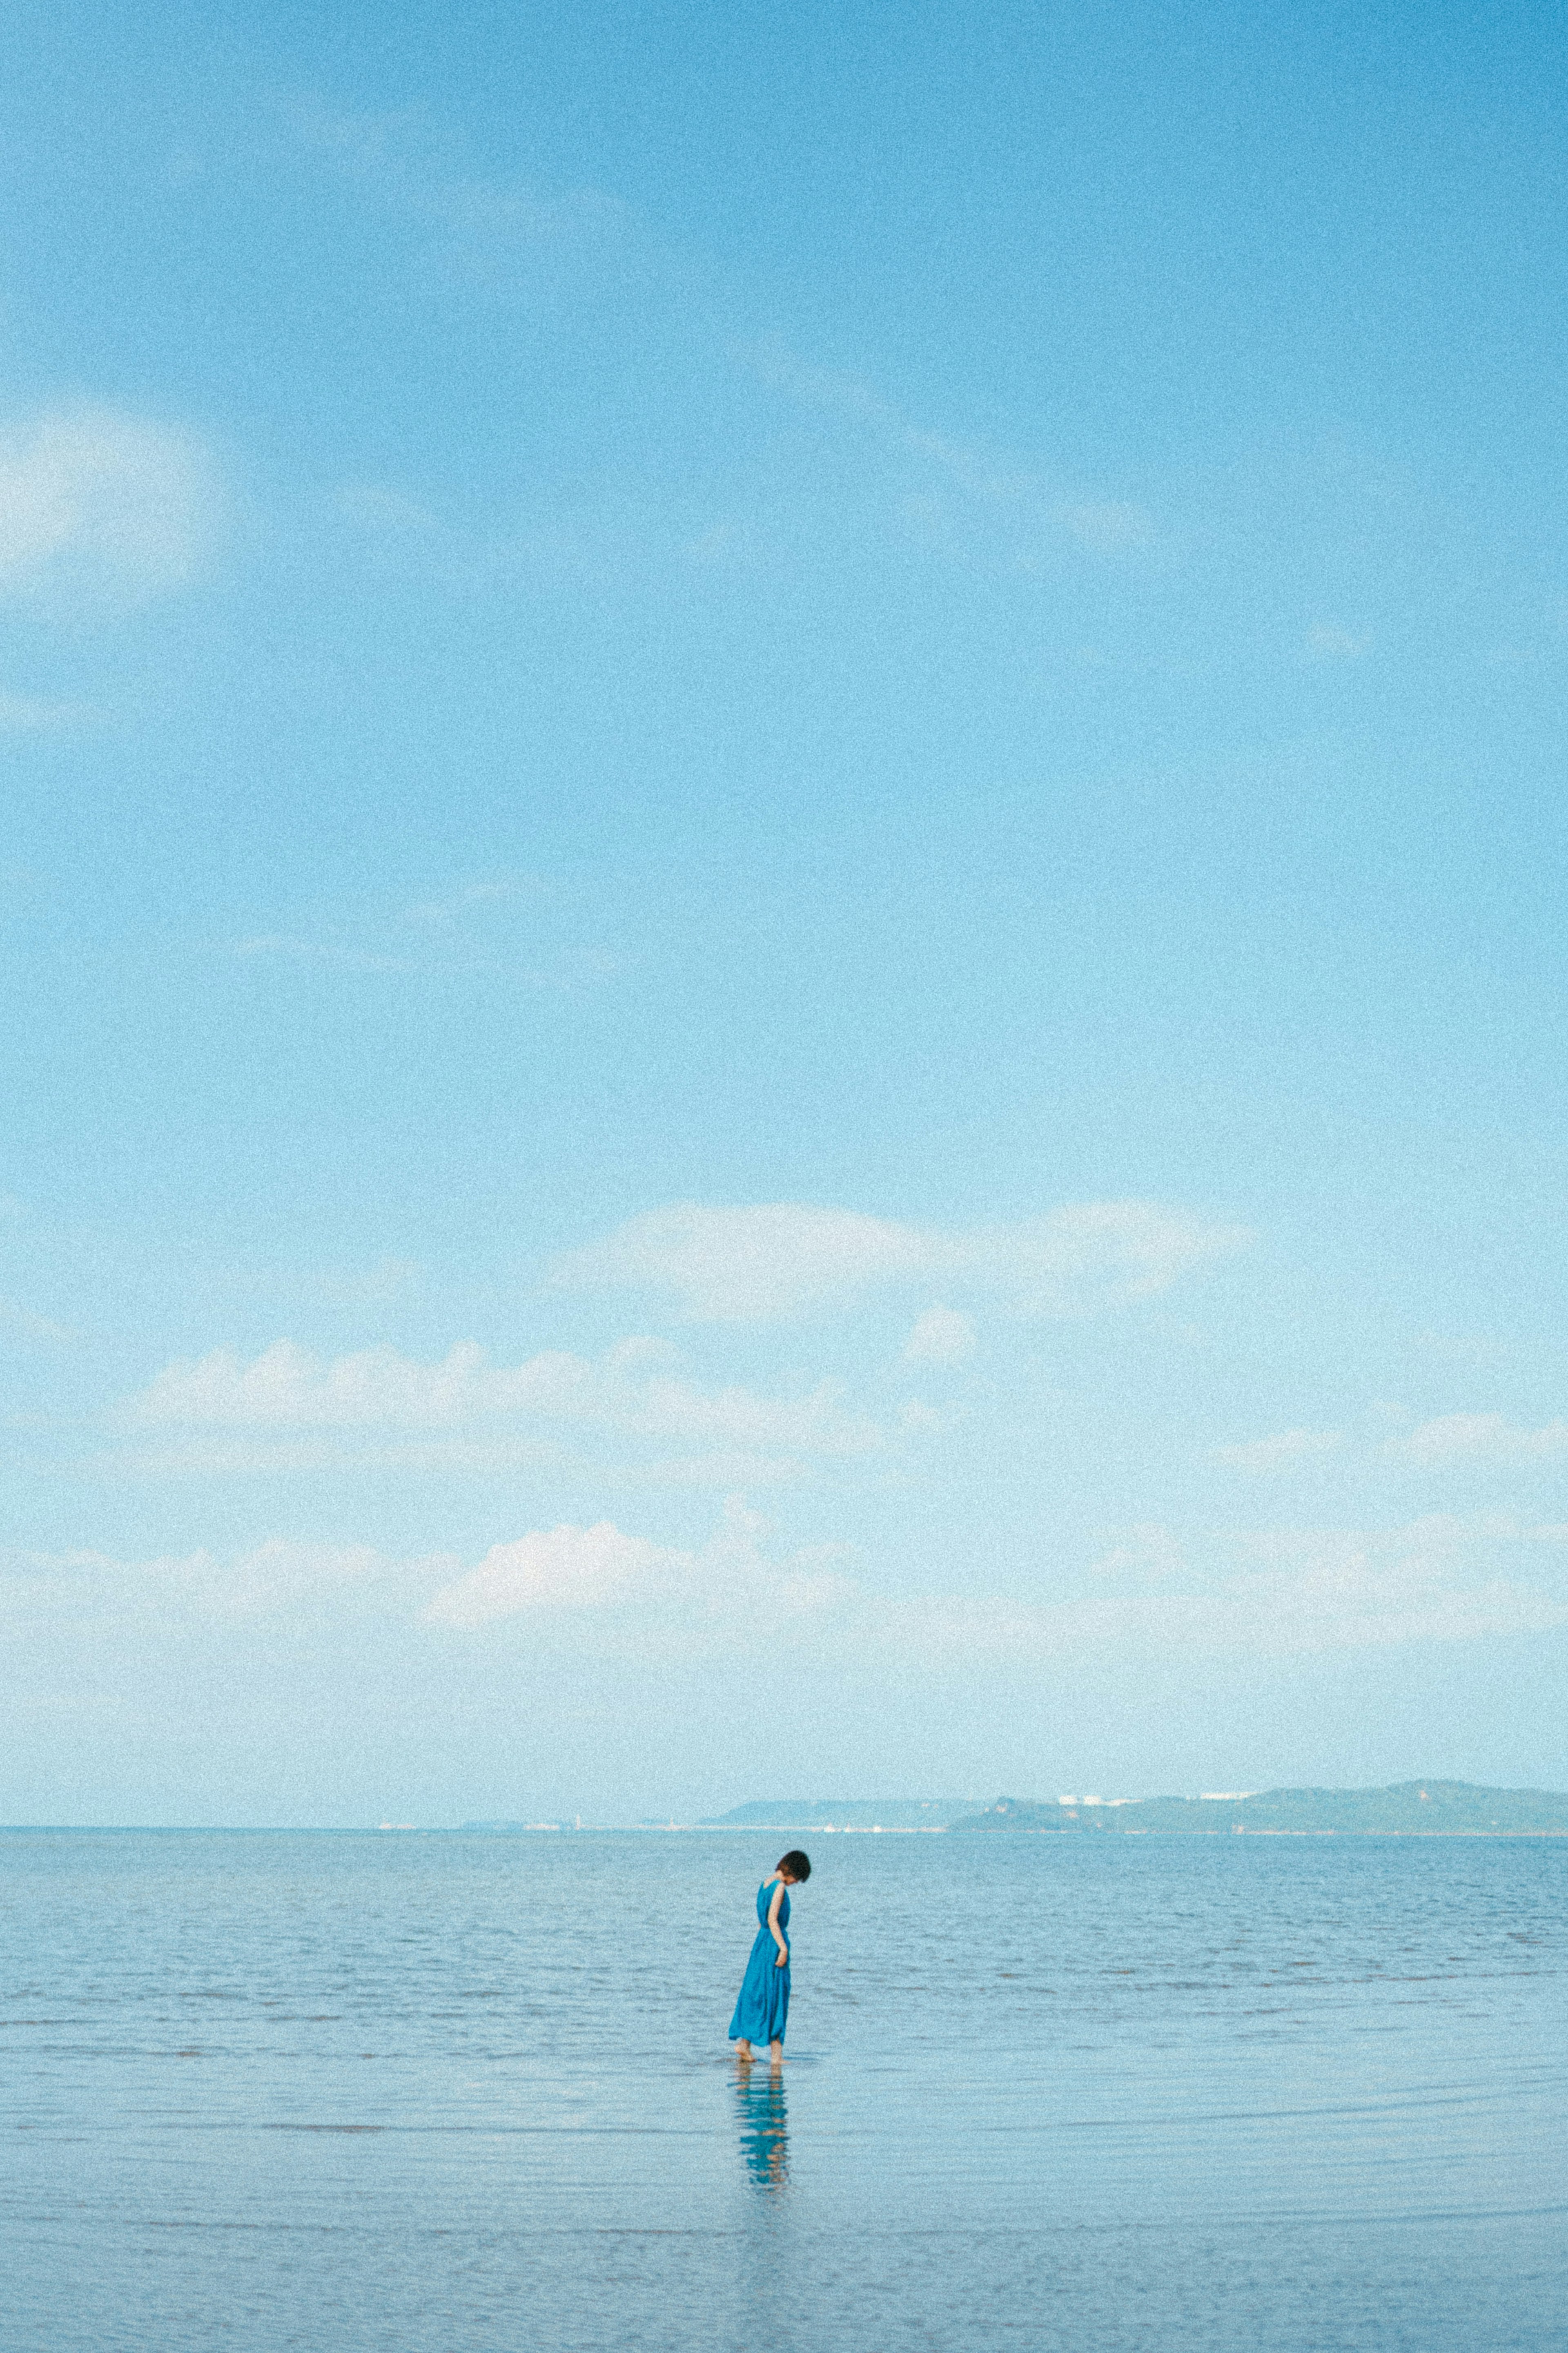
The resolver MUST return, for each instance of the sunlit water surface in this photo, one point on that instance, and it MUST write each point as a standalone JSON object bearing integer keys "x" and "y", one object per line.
{"x": 345, "y": 2091}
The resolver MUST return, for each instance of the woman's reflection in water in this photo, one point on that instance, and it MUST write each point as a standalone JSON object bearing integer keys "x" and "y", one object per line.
{"x": 764, "y": 2124}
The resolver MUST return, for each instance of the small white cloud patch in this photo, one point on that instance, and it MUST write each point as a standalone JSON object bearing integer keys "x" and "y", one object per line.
{"x": 92, "y": 499}
{"x": 1108, "y": 525}
{"x": 941, "y": 1337}
{"x": 1328, "y": 642}
{"x": 1480, "y": 1439}
{"x": 1282, "y": 1451}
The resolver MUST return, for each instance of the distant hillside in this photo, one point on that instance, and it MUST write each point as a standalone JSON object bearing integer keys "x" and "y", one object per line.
{"x": 846, "y": 1814}
{"x": 1457, "y": 1809}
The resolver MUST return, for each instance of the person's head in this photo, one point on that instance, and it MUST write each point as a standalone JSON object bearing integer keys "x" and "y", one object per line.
{"x": 794, "y": 1866}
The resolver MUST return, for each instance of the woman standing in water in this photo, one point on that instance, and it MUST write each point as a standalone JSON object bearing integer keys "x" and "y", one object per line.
{"x": 763, "y": 2006}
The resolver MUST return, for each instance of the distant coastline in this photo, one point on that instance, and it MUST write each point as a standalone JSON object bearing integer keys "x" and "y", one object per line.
{"x": 1429, "y": 1808}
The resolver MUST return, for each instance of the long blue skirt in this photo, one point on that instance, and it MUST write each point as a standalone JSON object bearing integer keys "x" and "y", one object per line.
{"x": 762, "y": 2010}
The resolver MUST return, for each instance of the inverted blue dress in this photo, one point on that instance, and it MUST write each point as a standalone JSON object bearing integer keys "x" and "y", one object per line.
{"x": 763, "y": 2004}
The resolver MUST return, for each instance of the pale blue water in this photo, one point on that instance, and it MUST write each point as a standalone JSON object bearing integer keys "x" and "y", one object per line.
{"x": 345, "y": 2091}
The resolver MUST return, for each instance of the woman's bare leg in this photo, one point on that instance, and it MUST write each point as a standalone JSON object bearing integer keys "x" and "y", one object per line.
{"x": 775, "y": 2054}
{"x": 743, "y": 2050}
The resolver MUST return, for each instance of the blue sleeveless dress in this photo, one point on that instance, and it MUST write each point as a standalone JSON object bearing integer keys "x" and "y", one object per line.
{"x": 763, "y": 2004}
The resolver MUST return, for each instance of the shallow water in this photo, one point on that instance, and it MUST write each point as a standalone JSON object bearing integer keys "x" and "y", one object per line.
{"x": 463, "y": 2091}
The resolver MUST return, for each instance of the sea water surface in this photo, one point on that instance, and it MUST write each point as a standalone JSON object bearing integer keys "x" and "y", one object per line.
{"x": 456, "y": 2091}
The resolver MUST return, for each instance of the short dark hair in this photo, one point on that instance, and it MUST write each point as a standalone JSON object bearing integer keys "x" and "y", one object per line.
{"x": 798, "y": 1865}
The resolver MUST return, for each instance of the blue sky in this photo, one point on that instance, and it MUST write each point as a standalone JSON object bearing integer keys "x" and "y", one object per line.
{"x": 782, "y": 875}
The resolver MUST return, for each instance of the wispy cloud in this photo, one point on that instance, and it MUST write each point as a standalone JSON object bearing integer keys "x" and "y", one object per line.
{"x": 587, "y": 1574}
{"x": 275, "y": 1576}
{"x": 97, "y": 501}
{"x": 1109, "y": 525}
{"x": 403, "y": 162}
{"x": 1290, "y": 1592}
{"x": 498, "y": 1455}
{"x": 1286, "y": 1592}
{"x": 1280, "y": 1593}
{"x": 1455, "y": 1441}
{"x": 494, "y": 927}
{"x": 1285, "y": 1451}
{"x": 200, "y": 1454}
{"x": 970, "y": 499}
{"x": 463, "y": 902}
{"x": 1328, "y": 642}
{"x": 1148, "y": 1550}
{"x": 379, "y": 509}
{"x": 23, "y": 1324}
{"x": 849, "y": 396}
{"x": 27, "y": 714}
{"x": 1478, "y": 1437}
{"x": 941, "y": 1337}
{"x": 337, "y": 955}
{"x": 779, "y": 1258}
{"x": 630, "y": 1389}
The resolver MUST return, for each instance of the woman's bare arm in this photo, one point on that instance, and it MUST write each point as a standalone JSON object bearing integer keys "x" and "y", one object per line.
{"x": 773, "y": 1925}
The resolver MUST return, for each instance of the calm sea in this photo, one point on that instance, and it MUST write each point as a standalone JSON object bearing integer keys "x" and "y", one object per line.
{"x": 450, "y": 2091}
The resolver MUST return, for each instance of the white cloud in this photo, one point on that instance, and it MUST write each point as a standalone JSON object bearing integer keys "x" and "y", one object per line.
{"x": 1328, "y": 642}
{"x": 27, "y": 714}
{"x": 23, "y": 1324}
{"x": 1451, "y": 1439}
{"x": 1285, "y": 1593}
{"x": 383, "y": 510}
{"x": 1278, "y": 1593}
{"x": 493, "y": 929}
{"x": 601, "y": 1569}
{"x": 273, "y": 1576}
{"x": 745, "y": 1265}
{"x": 964, "y": 500}
{"x": 1110, "y": 525}
{"x": 279, "y": 1572}
{"x": 564, "y": 1568}
{"x": 1438, "y": 1579}
{"x": 1479, "y": 1437}
{"x": 918, "y": 1419}
{"x": 569, "y": 1572}
{"x": 1147, "y": 1550}
{"x": 92, "y": 498}
{"x": 596, "y": 1573}
{"x": 755, "y": 1263}
{"x": 941, "y": 1337}
{"x": 1280, "y": 1452}
{"x": 287, "y": 1387}
{"x": 338, "y": 954}
{"x": 490, "y": 225}
{"x": 202, "y": 1455}
{"x": 493, "y": 1454}
{"x": 851, "y": 397}
{"x": 463, "y": 900}
{"x": 1294, "y": 1592}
